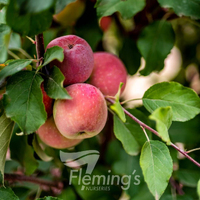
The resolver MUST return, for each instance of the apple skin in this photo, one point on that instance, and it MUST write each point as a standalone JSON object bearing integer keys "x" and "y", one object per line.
{"x": 108, "y": 72}
{"x": 48, "y": 102}
{"x": 84, "y": 115}
{"x": 105, "y": 23}
{"x": 50, "y": 135}
{"x": 78, "y": 60}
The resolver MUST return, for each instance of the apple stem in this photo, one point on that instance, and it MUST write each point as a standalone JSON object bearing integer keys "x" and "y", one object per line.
{"x": 154, "y": 131}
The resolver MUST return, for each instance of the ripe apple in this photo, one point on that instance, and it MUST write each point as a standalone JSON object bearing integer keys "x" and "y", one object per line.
{"x": 69, "y": 15}
{"x": 48, "y": 102}
{"x": 108, "y": 72}
{"x": 84, "y": 115}
{"x": 51, "y": 136}
{"x": 78, "y": 60}
{"x": 105, "y": 23}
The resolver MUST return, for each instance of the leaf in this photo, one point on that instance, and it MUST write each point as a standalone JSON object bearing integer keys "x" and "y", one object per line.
{"x": 127, "y": 8}
{"x": 155, "y": 43}
{"x": 198, "y": 188}
{"x": 4, "y": 34}
{"x": 29, "y": 17}
{"x": 130, "y": 56}
{"x": 53, "y": 53}
{"x": 184, "y": 101}
{"x": 163, "y": 118}
{"x": 23, "y": 101}
{"x": 14, "y": 67}
{"x": 7, "y": 193}
{"x": 6, "y": 128}
{"x": 4, "y": 2}
{"x": 116, "y": 106}
{"x": 61, "y": 4}
{"x": 40, "y": 152}
{"x": 157, "y": 166}
{"x": 54, "y": 85}
{"x": 22, "y": 152}
{"x": 188, "y": 177}
{"x": 189, "y": 8}
{"x": 50, "y": 198}
{"x": 127, "y": 139}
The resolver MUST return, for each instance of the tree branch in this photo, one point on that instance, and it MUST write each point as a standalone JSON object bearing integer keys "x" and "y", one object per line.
{"x": 39, "y": 47}
{"x": 41, "y": 182}
{"x": 155, "y": 132}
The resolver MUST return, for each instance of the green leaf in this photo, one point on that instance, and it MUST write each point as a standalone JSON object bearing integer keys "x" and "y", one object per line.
{"x": 4, "y": 36}
{"x": 116, "y": 107}
{"x": 4, "y": 2}
{"x": 6, "y": 128}
{"x": 7, "y": 193}
{"x": 188, "y": 177}
{"x": 127, "y": 139}
{"x": 54, "y": 85}
{"x": 155, "y": 43}
{"x": 24, "y": 102}
{"x": 189, "y": 8}
{"x": 130, "y": 56}
{"x": 60, "y": 4}
{"x": 40, "y": 152}
{"x": 127, "y": 8}
{"x": 53, "y": 53}
{"x": 14, "y": 67}
{"x": 29, "y": 17}
{"x": 184, "y": 101}
{"x": 22, "y": 152}
{"x": 49, "y": 198}
{"x": 163, "y": 118}
{"x": 157, "y": 166}
{"x": 198, "y": 188}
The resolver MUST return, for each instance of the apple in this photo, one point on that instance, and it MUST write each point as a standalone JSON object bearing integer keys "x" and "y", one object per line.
{"x": 78, "y": 60}
{"x": 50, "y": 135}
{"x": 108, "y": 72}
{"x": 84, "y": 115}
{"x": 69, "y": 15}
{"x": 105, "y": 23}
{"x": 48, "y": 102}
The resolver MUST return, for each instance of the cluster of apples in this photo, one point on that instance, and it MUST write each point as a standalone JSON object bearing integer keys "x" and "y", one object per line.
{"x": 88, "y": 77}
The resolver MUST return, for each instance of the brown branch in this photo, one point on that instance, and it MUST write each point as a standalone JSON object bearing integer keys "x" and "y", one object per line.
{"x": 41, "y": 182}
{"x": 176, "y": 186}
{"x": 39, "y": 47}
{"x": 155, "y": 132}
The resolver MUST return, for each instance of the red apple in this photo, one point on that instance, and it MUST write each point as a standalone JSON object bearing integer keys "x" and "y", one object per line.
{"x": 84, "y": 115}
{"x": 50, "y": 135}
{"x": 48, "y": 102}
{"x": 108, "y": 72}
{"x": 78, "y": 60}
{"x": 105, "y": 23}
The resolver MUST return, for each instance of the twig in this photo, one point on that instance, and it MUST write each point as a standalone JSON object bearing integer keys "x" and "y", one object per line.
{"x": 155, "y": 132}
{"x": 41, "y": 182}
{"x": 176, "y": 186}
{"x": 39, "y": 47}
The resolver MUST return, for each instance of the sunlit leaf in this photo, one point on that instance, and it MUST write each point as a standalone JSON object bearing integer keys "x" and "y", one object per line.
{"x": 157, "y": 166}
{"x": 184, "y": 102}
{"x": 6, "y": 128}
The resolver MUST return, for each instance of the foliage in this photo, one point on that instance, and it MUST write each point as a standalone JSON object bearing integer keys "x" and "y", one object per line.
{"x": 146, "y": 165}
